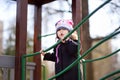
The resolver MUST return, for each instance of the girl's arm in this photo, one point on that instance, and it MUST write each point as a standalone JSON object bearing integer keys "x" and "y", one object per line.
{"x": 48, "y": 56}
{"x": 72, "y": 47}
{"x": 74, "y": 36}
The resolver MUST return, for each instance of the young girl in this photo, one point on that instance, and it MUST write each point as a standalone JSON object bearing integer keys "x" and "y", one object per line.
{"x": 64, "y": 53}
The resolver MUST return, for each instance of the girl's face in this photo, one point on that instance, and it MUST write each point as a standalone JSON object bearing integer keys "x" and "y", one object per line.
{"x": 62, "y": 33}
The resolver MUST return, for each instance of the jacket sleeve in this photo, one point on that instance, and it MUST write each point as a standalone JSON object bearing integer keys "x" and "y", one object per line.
{"x": 50, "y": 57}
{"x": 73, "y": 47}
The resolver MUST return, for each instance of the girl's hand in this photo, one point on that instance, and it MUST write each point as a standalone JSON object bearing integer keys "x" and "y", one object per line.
{"x": 74, "y": 36}
{"x": 43, "y": 53}
{"x": 63, "y": 41}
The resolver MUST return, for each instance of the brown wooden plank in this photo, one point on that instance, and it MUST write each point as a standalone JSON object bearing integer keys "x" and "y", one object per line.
{"x": 80, "y": 11}
{"x": 37, "y": 43}
{"x": 38, "y": 2}
{"x": 76, "y": 11}
{"x": 21, "y": 34}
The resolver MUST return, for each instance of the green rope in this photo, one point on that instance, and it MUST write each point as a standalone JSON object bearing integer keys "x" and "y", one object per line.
{"x": 76, "y": 61}
{"x": 86, "y": 61}
{"x": 39, "y": 36}
{"x": 111, "y": 74}
{"x": 78, "y": 52}
{"x": 44, "y": 72}
{"x": 117, "y": 78}
{"x": 84, "y": 54}
{"x": 76, "y": 27}
{"x": 100, "y": 42}
{"x": 23, "y": 68}
{"x": 84, "y": 70}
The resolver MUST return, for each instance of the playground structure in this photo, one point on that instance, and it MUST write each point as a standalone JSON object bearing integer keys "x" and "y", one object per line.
{"x": 21, "y": 32}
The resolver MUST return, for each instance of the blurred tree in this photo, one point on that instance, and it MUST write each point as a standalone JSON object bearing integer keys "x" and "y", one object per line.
{"x": 10, "y": 47}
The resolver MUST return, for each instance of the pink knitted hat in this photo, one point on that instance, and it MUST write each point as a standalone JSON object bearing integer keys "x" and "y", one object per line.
{"x": 66, "y": 24}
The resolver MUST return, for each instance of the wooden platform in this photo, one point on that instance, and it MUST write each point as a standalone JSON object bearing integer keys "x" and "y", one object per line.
{"x": 38, "y": 2}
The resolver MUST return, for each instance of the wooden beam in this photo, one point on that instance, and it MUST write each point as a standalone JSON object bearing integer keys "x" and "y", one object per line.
{"x": 41, "y": 2}
{"x": 80, "y": 11}
{"x": 37, "y": 42}
{"x": 21, "y": 34}
{"x": 76, "y": 11}
{"x": 38, "y": 2}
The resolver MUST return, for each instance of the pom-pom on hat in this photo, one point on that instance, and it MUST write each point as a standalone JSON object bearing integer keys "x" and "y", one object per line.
{"x": 64, "y": 24}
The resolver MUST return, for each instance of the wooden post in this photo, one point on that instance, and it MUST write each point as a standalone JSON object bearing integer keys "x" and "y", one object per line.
{"x": 80, "y": 11}
{"x": 37, "y": 43}
{"x": 21, "y": 34}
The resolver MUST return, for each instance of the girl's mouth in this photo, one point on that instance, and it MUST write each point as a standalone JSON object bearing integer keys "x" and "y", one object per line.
{"x": 62, "y": 34}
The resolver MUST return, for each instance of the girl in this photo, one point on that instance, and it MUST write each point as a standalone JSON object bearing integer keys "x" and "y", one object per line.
{"x": 66, "y": 52}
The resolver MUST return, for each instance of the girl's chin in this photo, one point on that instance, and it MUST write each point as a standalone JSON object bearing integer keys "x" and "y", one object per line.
{"x": 61, "y": 37}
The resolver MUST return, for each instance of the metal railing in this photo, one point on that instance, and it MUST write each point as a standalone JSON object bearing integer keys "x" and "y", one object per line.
{"x": 7, "y": 65}
{"x": 79, "y": 57}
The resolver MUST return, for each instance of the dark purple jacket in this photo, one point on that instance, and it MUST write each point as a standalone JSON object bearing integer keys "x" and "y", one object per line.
{"x": 67, "y": 53}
